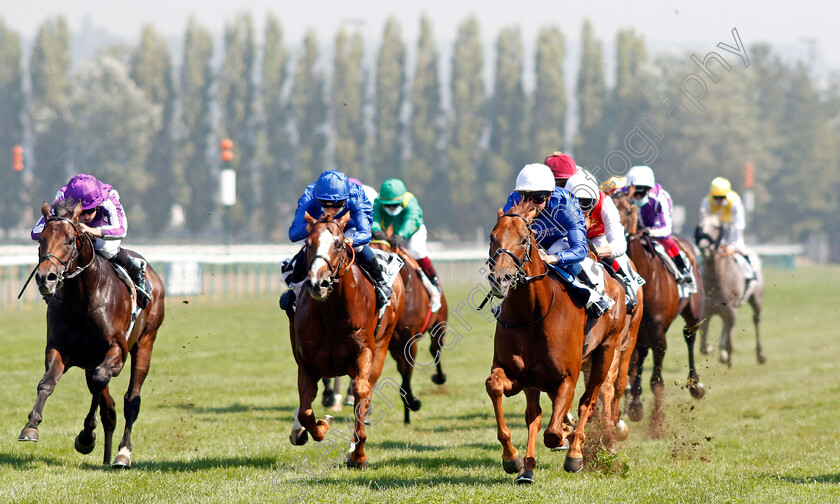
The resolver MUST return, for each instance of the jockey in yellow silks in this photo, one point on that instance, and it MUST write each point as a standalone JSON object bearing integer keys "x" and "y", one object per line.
{"x": 726, "y": 204}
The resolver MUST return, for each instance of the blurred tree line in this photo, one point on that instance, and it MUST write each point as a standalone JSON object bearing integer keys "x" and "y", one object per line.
{"x": 152, "y": 128}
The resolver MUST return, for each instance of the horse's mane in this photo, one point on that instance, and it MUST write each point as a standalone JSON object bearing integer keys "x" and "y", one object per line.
{"x": 521, "y": 208}
{"x": 65, "y": 208}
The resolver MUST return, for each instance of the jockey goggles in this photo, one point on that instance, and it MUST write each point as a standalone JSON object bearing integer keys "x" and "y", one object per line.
{"x": 586, "y": 204}
{"x": 641, "y": 191}
{"x": 332, "y": 204}
{"x": 537, "y": 197}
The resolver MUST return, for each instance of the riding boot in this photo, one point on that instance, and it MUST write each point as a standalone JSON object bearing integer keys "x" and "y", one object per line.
{"x": 431, "y": 274}
{"x": 683, "y": 266}
{"x": 136, "y": 268}
{"x": 374, "y": 268}
{"x": 297, "y": 275}
{"x": 597, "y": 306}
{"x": 629, "y": 290}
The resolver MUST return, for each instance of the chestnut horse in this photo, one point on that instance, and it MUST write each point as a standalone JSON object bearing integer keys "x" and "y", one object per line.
{"x": 662, "y": 305}
{"x": 89, "y": 312}
{"x": 726, "y": 289}
{"x": 416, "y": 320}
{"x": 540, "y": 343}
{"x": 334, "y": 331}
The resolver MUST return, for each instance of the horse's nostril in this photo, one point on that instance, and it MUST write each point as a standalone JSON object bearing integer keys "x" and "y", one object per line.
{"x": 52, "y": 277}
{"x": 325, "y": 284}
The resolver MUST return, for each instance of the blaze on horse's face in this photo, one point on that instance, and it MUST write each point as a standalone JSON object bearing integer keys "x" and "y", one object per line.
{"x": 324, "y": 247}
{"x": 510, "y": 243}
{"x": 57, "y": 247}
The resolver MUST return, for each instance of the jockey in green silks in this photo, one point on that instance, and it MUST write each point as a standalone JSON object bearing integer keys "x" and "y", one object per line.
{"x": 398, "y": 209}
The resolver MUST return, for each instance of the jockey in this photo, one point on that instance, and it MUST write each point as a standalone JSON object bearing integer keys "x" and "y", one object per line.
{"x": 332, "y": 194}
{"x": 613, "y": 184}
{"x": 562, "y": 167}
{"x": 655, "y": 207}
{"x": 559, "y": 226}
{"x": 102, "y": 217}
{"x": 726, "y": 204}
{"x": 604, "y": 230}
{"x": 398, "y": 209}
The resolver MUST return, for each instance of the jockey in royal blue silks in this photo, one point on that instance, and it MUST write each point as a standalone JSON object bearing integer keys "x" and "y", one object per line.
{"x": 559, "y": 227}
{"x": 332, "y": 194}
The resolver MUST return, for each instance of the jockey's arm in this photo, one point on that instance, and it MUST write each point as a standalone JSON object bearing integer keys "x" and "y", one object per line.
{"x": 663, "y": 228}
{"x": 115, "y": 227}
{"x": 376, "y": 225}
{"x": 613, "y": 230}
{"x": 705, "y": 208}
{"x": 361, "y": 212}
{"x": 297, "y": 231}
{"x": 412, "y": 221}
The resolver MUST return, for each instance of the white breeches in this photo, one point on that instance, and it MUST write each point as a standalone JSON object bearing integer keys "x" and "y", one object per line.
{"x": 416, "y": 245}
{"x": 107, "y": 248}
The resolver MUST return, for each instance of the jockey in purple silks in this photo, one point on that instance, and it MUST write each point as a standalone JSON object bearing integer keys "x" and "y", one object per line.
{"x": 104, "y": 219}
{"x": 655, "y": 208}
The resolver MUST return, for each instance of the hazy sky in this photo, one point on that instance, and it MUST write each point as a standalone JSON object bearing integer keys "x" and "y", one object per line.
{"x": 701, "y": 23}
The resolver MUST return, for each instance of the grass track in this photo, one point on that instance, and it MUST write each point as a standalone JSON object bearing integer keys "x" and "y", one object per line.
{"x": 218, "y": 402}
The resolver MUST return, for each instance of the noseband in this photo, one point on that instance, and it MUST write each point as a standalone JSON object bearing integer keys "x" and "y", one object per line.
{"x": 520, "y": 263}
{"x": 336, "y": 273}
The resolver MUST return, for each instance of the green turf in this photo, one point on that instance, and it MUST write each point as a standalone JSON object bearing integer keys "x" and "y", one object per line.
{"x": 217, "y": 409}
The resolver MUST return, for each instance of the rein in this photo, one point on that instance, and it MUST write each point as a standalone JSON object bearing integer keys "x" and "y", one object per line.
{"x": 65, "y": 264}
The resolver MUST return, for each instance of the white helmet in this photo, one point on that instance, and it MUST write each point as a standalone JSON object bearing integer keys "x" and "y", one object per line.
{"x": 583, "y": 187}
{"x": 641, "y": 176}
{"x": 535, "y": 177}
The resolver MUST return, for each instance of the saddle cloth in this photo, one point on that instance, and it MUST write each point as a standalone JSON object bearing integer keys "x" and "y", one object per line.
{"x": 685, "y": 289}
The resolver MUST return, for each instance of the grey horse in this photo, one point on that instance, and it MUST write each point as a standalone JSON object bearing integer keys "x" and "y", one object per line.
{"x": 725, "y": 288}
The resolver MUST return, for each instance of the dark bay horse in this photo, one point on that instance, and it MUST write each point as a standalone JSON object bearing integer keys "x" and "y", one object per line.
{"x": 540, "y": 343}
{"x": 89, "y": 311}
{"x": 662, "y": 305}
{"x": 334, "y": 331}
{"x": 726, "y": 287}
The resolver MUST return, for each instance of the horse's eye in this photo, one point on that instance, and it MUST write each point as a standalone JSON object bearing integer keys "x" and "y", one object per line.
{"x": 338, "y": 245}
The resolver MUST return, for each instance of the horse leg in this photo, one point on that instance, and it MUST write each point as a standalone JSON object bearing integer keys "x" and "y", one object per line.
{"x": 496, "y": 385}
{"x": 609, "y": 397}
{"x": 141, "y": 356}
{"x": 695, "y": 387}
{"x": 657, "y": 385}
{"x": 410, "y": 403}
{"x": 533, "y": 419}
{"x": 108, "y": 415}
{"x": 636, "y": 410}
{"x": 729, "y": 316}
{"x": 55, "y": 368}
{"x": 755, "y": 303}
{"x": 305, "y": 421}
{"x": 602, "y": 360}
{"x": 97, "y": 381}
{"x": 556, "y": 435}
{"x": 356, "y": 458}
{"x": 705, "y": 347}
{"x": 328, "y": 398}
{"x": 438, "y": 336}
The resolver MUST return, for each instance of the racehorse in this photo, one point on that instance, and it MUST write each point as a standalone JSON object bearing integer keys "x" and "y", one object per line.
{"x": 89, "y": 313}
{"x": 726, "y": 289}
{"x": 541, "y": 342}
{"x": 662, "y": 305}
{"x": 335, "y": 331}
{"x": 416, "y": 320}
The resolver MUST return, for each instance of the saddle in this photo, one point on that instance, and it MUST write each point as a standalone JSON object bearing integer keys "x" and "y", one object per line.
{"x": 685, "y": 289}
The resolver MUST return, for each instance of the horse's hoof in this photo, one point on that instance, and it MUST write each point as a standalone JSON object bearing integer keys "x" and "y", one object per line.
{"x": 513, "y": 466}
{"x": 562, "y": 447}
{"x": 349, "y": 400}
{"x": 83, "y": 448}
{"x": 28, "y": 434}
{"x": 761, "y": 358}
{"x": 724, "y": 357}
{"x": 526, "y": 477}
{"x": 414, "y": 405}
{"x": 352, "y": 464}
{"x": 328, "y": 400}
{"x": 621, "y": 430}
{"x": 636, "y": 411}
{"x": 439, "y": 378}
{"x": 122, "y": 460}
{"x": 573, "y": 465}
{"x": 299, "y": 437}
{"x": 697, "y": 390}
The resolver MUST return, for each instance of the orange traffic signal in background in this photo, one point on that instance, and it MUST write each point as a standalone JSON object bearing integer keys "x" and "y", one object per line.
{"x": 17, "y": 158}
{"x": 227, "y": 150}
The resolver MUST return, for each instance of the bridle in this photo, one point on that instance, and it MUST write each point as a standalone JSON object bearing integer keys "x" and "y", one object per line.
{"x": 520, "y": 276}
{"x": 336, "y": 273}
{"x": 65, "y": 264}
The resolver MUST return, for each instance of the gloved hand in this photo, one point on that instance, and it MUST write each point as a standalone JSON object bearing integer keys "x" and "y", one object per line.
{"x": 397, "y": 241}
{"x": 380, "y": 235}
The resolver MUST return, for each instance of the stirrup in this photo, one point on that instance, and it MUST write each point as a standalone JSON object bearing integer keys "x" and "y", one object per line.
{"x": 287, "y": 300}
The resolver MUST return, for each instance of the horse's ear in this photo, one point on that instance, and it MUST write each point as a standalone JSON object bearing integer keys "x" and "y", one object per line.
{"x": 500, "y": 213}
{"x": 343, "y": 220}
{"x": 532, "y": 212}
{"x": 45, "y": 210}
{"x": 77, "y": 211}
{"x": 310, "y": 221}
